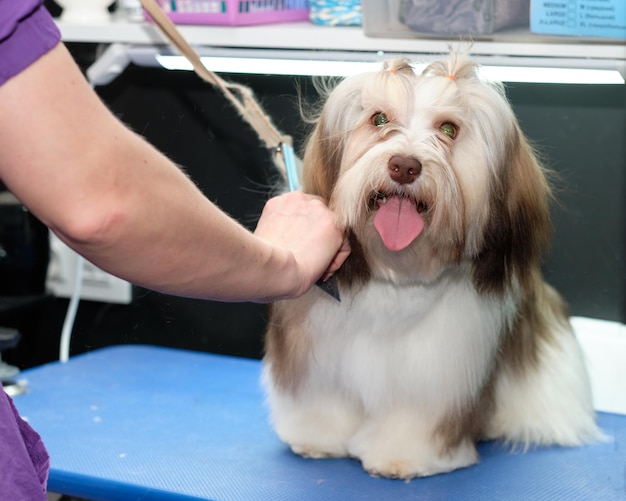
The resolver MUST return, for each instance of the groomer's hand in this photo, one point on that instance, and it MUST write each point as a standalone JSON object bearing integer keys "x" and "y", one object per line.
{"x": 303, "y": 225}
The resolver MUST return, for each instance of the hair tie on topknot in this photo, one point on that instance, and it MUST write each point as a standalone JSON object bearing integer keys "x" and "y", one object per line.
{"x": 452, "y": 77}
{"x": 398, "y": 66}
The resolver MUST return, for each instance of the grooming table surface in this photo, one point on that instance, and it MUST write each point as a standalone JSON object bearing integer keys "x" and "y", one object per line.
{"x": 151, "y": 423}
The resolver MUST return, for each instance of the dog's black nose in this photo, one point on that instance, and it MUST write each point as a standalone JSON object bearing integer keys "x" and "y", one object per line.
{"x": 403, "y": 169}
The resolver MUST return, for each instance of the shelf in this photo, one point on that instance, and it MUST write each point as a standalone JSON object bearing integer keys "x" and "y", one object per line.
{"x": 519, "y": 46}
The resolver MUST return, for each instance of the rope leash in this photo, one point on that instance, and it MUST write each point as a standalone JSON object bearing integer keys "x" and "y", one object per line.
{"x": 240, "y": 96}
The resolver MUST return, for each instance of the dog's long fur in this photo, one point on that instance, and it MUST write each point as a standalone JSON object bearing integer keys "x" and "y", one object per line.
{"x": 453, "y": 339}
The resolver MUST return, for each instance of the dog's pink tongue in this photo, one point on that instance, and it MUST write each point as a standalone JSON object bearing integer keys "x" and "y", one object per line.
{"x": 398, "y": 223}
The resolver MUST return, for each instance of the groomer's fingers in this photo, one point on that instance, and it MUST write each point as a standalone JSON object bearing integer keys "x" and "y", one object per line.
{"x": 338, "y": 260}
{"x": 303, "y": 225}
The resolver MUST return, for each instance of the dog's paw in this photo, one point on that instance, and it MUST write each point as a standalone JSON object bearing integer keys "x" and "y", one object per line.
{"x": 420, "y": 466}
{"x": 404, "y": 444}
{"x": 315, "y": 426}
{"x": 313, "y": 452}
{"x": 397, "y": 469}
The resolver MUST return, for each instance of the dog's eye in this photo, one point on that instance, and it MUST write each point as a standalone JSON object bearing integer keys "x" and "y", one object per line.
{"x": 448, "y": 129}
{"x": 379, "y": 119}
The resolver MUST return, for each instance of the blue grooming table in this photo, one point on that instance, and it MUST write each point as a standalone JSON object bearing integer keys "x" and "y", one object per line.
{"x": 151, "y": 423}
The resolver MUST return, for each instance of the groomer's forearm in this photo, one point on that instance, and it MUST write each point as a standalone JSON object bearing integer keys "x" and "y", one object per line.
{"x": 245, "y": 269}
{"x": 190, "y": 263}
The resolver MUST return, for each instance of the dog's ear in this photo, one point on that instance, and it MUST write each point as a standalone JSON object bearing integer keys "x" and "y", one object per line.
{"x": 322, "y": 158}
{"x": 528, "y": 205}
{"x": 519, "y": 228}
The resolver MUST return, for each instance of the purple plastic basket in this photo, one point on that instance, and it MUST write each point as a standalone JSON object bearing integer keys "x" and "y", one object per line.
{"x": 234, "y": 12}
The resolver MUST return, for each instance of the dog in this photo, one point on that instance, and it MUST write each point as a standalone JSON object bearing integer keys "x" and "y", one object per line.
{"x": 446, "y": 333}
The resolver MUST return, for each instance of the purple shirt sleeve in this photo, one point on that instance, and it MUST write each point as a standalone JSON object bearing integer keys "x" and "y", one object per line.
{"x": 27, "y": 31}
{"x": 24, "y": 461}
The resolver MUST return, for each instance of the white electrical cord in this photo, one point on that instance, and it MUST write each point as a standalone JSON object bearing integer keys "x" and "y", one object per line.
{"x": 70, "y": 315}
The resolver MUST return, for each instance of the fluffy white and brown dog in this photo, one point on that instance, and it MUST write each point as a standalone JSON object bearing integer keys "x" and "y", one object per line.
{"x": 446, "y": 333}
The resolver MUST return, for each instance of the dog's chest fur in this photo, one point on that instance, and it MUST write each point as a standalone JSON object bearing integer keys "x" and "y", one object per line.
{"x": 385, "y": 344}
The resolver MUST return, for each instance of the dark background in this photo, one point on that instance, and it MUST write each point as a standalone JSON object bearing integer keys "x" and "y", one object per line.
{"x": 581, "y": 130}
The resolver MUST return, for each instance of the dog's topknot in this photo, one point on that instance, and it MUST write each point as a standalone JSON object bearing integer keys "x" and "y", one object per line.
{"x": 400, "y": 65}
{"x": 457, "y": 67}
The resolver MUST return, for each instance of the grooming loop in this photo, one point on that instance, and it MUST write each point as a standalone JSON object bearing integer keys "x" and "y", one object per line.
{"x": 240, "y": 96}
